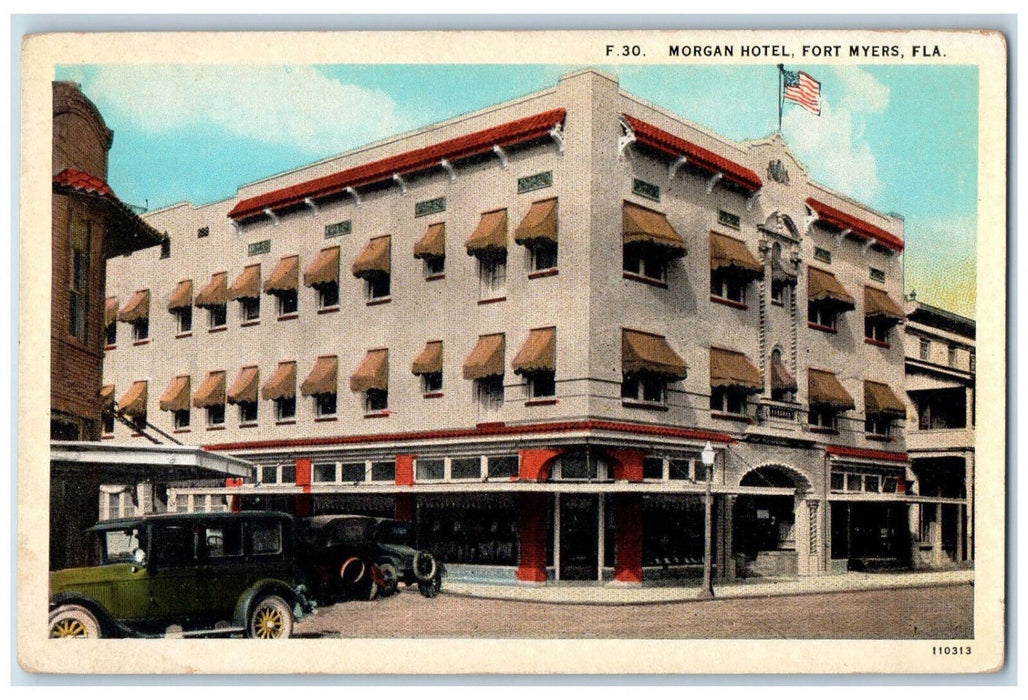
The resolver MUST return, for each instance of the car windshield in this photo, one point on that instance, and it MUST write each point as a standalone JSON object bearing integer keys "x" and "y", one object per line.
{"x": 120, "y": 545}
{"x": 395, "y": 533}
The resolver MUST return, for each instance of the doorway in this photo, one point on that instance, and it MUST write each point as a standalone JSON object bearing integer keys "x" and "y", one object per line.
{"x": 579, "y": 537}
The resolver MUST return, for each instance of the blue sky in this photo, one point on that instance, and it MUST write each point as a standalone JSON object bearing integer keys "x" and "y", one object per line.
{"x": 903, "y": 139}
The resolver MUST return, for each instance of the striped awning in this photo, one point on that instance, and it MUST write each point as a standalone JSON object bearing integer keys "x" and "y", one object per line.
{"x": 733, "y": 370}
{"x": 539, "y": 352}
{"x": 107, "y": 396}
{"x": 324, "y": 269}
{"x": 433, "y": 243}
{"x": 823, "y": 287}
{"x": 825, "y": 389}
{"x": 182, "y": 297}
{"x": 282, "y": 384}
{"x": 247, "y": 285}
{"x": 211, "y": 391}
{"x": 110, "y": 311}
{"x": 539, "y": 224}
{"x": 646, "y": 226}
{"x": 486, "y": 359}
{"x": 429, "y": 360}
{"x": 647, "y": 353}
{"x": 877, "y": 302}
{"x": 489, "y": 239}
{"x": 215, "y": 292}
{"x": 373, "y": 261}
{"x": 285, "y": 276}
{"x": 244, "y": 387}
{"x": 133, "y": 401}
{"x": 880, "y": 399}
{"x": 322, "y": 378}
{"x": 137, "y": 308}
{"x": 732, "y": 254}
{"x": 781, "y": 378}
{"x": 176, "y": 396}
{"x": 372, "y": 372}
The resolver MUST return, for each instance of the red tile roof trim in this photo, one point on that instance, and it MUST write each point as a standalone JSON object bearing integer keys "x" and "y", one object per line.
{"x": 473, "y": 144}
{"x": 667, "y": 142}
{"x": 842, "y": 220}
{"x": 480, "y": 431}
{"x": 840, "y": 451}
{"x": 83, "y": 182}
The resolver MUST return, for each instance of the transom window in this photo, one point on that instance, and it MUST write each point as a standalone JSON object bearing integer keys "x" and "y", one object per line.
{"x": 675, "y": 468}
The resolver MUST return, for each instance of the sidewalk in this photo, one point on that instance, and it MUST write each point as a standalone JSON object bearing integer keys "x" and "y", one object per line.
{"x": 609, "y": 593}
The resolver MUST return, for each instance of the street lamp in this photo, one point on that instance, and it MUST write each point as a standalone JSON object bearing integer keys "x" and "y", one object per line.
{"x": 707, "y": 457}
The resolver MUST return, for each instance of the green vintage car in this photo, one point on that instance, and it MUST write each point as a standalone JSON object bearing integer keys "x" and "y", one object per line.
{"x": 196, "y": 574}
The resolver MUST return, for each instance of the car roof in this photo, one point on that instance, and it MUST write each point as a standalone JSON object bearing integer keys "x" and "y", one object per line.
{"x": 119, "y": 523}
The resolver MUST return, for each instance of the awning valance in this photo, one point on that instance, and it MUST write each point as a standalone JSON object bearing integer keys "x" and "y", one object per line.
{"x": 486, "y": 359}
{"x": 824, "y": 389}
{"x": 539, "y": 352}
{"x": 433, "y": 243}
{"x": 137, "y": 308}
{"x": 324, "y": 269}
{"x": 110, "y": 311}
{"x": 646, "y": 353}
{"x": 781, "y": 378}
{"x": 284, "y": 277}
{"x": 215, "y": 292}
{"x": 211, "y": 391}
{"x": 373, "y": 261}
{"x": 823, "y": 287}
{"x": 176, "y": 396}
{"x": 489, "y": 238}
{"x": 877, "y": 302}
{"x": 372, "y": 373}
{"x": 247, "y": 285}
{"x": 880, "y": 399}
{"x": 133, "y": 401}
{"x": 244, "y": 387}
{"x": 733, "y": 370}
{"x": 106, "y": 396}
{"x": 429, "y": 360}
{"x": 642, "y": 225}
{"x": 182, "y": 297}
{"x": 282, "y": 384}
{"x": 539, "y": 224}
{"x": 779, "y": 273}
{"x": 322, "y": 379}
{"x": 732, "y": 254}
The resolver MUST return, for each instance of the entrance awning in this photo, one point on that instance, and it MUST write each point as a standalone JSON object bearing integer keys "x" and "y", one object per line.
{"x": 211, "y": 391}
{"x": 539, "y": 224}
{"x": 429, "y": 360}
{"x": 433, "y": 243}
{"x": 733, "y": 370}
{"x": 372, "y": 373}
{"x": 137, "y": 308}
{"x": 247, "y": 285}
{"x": 322, "y": 379}
{"x": 486, "y": 359}
{"x": 880, "y": 399}
{"x": 282, "y": 384}
{"x": 538, "y": 354}
{"x": 244, "y": 388}
{"x": 732, "y": 255}
{"x": 324, "y": 269}
{"x": 489, "y": 238}
{"x": 781, "y": 378}
{"x": 823, "y": 287}
{"x": 110, "y": 311}
{"x": 215, "y": 292}
{"x": 133, "y": 401}
{"x": 284, "y": 277}
{"x": 646, "y": 226}
{"x": 825, "y": 389}
{"x": 877, "y": 302}
{"x": 176, "y": 396}
{"x": 649, "y": 353}
{"x": 373, "y": 261}
{"x": 182, "y": 297}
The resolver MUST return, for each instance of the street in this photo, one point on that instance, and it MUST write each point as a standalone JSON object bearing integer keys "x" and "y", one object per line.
{"x": 941, "y": 612}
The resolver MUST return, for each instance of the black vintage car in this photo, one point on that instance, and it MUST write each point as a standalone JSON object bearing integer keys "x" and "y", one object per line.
{"x": 336, "y": 554}
{"x": 389, "y": 544}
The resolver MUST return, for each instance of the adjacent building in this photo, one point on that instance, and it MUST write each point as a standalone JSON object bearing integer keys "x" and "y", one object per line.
{"x": 521, "y": 327}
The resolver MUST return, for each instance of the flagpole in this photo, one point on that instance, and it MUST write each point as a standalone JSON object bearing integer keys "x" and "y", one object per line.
{"x": 781, "y": 72}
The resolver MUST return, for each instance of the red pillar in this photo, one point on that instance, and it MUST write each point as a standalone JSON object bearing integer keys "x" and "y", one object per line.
{"x": 405, "y": 470}
{"x": 533, "y": 464}
{"x": 304, "y": 501}
{"x": 233, "y": 501}
{"x": 628, "y": 464}
{"x": 532, "y": 536}
{"x": 628, "y": 539}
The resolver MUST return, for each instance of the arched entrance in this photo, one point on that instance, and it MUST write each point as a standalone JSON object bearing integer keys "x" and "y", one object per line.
{"x": 764, "y": 527}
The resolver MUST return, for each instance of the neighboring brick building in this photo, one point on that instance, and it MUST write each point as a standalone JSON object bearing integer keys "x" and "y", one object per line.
{"x": 520, "y": 327}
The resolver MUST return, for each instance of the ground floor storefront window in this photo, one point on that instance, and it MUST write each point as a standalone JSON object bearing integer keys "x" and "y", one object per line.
{"x": 870, "y": 535}
{"x": 469, "y": 529}
{"x": 672, "y": 531}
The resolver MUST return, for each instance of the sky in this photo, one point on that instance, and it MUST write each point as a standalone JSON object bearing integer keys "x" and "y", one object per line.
{"x": 902, "y": 139}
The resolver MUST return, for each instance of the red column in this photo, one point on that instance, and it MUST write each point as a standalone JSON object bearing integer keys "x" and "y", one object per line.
{"x": 405, "y": 470}
{"x": 233, "y": 501}
{"x": 628, "y": 539}
{"x": 304, "y": 501}
{"x": 628, "y": 464}
{"x": 532, "y": 536}
{"x": 533, "y": 464}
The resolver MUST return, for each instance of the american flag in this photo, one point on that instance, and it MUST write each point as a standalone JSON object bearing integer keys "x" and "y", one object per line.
{"x": 802, "y": 89}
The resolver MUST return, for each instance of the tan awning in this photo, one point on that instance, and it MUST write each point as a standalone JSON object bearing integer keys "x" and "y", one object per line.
{"x": 374, "y": 259}
{"x": 182, "y": 297}
{"x": 176, "y": 396}
{"x": 247, "y": 285}
{"x": 324, "y": 269}
{"x": 244, "y": 388}
{"x": 282, "y": 384}
{"x": 211, "y": 391}
{"x": 486, "y": 360}
{"x": 642, "y": 225}
{"x": 779, "y": 273}
{"x": 881, "y": 399}
{"x": 137, "y": 308}
{"x": 107, "y": 396}
{"x": 285, "y": 276}
{"x": 372, "y": 373}
{"x": 733, "y": 370}
{"x": 822, "y": 286}
{"x": 322, "y": 379}
{"x": 433, "y": 243}
{"x": 731, "y": 253}
{"x": 539, "y": 224}
{"x": 539, "y": 352}
{"x": 215, "y": 292}
{"x": 489, "y": 238}
{"x": 430, "y": 359}
{"x": 877, "y": 302}
{"x": 824, "y": 389}
{"x": 110, "y": 311}
{"x": 781, "y": 378}
{"x": 648, "y": 353}
{"x": 133, "y": 402}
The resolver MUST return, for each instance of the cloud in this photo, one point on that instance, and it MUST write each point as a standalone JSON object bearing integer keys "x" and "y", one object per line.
{"x": 294, "y": 106}
{"x": 833, "y": 146}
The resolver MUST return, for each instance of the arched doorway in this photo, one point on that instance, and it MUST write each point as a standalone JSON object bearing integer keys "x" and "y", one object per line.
{"x": 764, "y": 527}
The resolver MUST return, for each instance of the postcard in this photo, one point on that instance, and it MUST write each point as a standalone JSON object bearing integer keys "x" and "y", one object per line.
{"x": 513, "y": 352}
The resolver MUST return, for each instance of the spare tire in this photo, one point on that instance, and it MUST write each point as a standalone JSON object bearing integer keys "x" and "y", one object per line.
{"x": 425, "y": 566}
{"x": 352, "y": 571}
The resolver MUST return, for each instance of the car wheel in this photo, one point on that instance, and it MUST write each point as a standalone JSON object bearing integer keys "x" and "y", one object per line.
{"x": 73, "y": 622}
{"x": 425, "y": 567}
{"x": 270, "y": 618}
{"x": 430, "y": 589}
{"x": 391, "y": 580}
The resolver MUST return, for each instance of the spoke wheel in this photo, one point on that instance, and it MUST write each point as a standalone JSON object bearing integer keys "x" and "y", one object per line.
{"x": 73, "y": 622}
{"x": 271, "y": 618}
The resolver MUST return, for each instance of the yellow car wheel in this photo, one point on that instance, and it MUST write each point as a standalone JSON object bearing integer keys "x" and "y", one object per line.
{"x": 73, "y": 622}
{"x": 271, "y": 618}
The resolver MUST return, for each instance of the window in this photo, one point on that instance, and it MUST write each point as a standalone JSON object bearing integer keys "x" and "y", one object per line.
{"x": 435, "y": 265}
{"x": 580, "y": 466}
{"x": 324, "y": 405}
{"x": 432, "y": 383}
{"x": 502, "y": 467}
{"x": 288, "y": 473}
{"x": 543, "y": 256}
{"x": 248, "y": 412}
{"x": 217, "y": 316}
{"x": 727, "y": 218}
{"x": 725, "y": 285}
{"x": 165, "y": 247}
{"x": 875, "y": 329}
{"x": 878, "y": 425}
{"x": 492, "y": 277}
{"x": 267, "y": 475}
{"x": 779, "y": 293}
{"x": 354, "y": 472}
{"x": 111, "y": 333}
{"x": 724, "y": 401}
{"x": 924, "y": 348}
{"x": 287, "y": 302}
{"x": 324, "y": 472}
{"x": 341, "y": 228}
{"x": 823, "y": 254}
{"x": 430, "y": 469}
{"x": 645, "y": 261}
{"x": 542, "y": 384}
{"x": 141, "y": 329}
{"x": 216, "y": 415}
{"x": 646, "y": 388}
{"x": 107, "y": 420}
{"x": 285, "y": 408}
{"x": 249, "y": 308}
{"x": 876, "y": 274}
{"x": 466, "y": 468}
{"x": 653, "y": 467}
{"x": 265, "y": 537}
{"x": 183, "y": 319}
{"x": 822, "y": 315}
{"x": 328, "y": 295}
{"x": 223, "y": 540}
{"x": 489, "y": 392}
{"x": 822, "y": 417}
{"x": 376, "y": 400}
{"x": 259, "y": 248}
{"x": 78, "y": 283}
{"x": 377, "y": 287}
{"x": 383, "y": 471}
{"x": 182, "y": 419}
{"x": 645, "y": 189}
{"x": 838, "y": 481}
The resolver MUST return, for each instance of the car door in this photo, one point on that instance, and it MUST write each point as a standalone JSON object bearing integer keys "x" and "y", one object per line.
{"x": 173, "y": 572}
{"x": 223, "y": 572}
